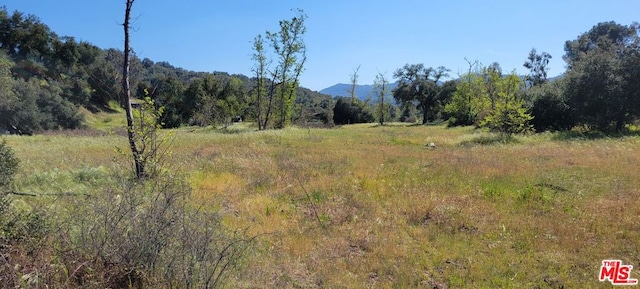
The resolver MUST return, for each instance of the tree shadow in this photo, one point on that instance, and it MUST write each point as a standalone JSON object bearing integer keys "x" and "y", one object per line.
{"x": 591, "y": 135}
{"x": 492, "y": 139}
{"x": 96, "y": 108}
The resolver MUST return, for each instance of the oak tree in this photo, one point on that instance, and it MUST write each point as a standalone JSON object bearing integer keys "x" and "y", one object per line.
{"x": 420, "y": 85}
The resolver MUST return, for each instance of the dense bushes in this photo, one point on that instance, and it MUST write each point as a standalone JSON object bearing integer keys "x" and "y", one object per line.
{"x": 347, "y": 111}
{"x": 549, "y": 107}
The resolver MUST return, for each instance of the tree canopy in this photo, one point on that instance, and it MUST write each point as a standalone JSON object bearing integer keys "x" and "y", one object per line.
{"x": 46, "y": 79}
{"x": 602, "y": 76}
{"x": 420, "y": 85}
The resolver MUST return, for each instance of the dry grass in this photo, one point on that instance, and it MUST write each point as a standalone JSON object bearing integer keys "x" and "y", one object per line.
{"x": 366, "y": 206}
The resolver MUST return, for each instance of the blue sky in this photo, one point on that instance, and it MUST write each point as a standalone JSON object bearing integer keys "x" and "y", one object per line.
{"x": 380, "y": 36}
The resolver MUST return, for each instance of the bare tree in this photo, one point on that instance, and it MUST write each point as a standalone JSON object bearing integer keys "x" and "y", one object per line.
{"x": 354, "y": 83}
{"x": 126, "y": 89}
{"x": 260, "y": 69}
{"x": 381, "y": 87}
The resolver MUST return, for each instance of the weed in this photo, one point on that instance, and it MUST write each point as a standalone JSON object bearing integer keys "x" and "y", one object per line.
{"x": 377, "y": 208}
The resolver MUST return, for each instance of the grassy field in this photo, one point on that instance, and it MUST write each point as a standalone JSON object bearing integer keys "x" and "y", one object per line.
{"x": 365, "y": 206}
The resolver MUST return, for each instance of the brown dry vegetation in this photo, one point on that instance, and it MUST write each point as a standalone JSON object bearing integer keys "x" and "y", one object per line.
{"x": 364, "y": 206}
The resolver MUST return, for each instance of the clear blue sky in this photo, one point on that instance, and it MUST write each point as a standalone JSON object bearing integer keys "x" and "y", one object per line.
{"x": 381, "y": 36}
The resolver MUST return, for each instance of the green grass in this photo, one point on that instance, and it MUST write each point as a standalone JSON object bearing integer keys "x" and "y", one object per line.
{"x": 374, "y": 206}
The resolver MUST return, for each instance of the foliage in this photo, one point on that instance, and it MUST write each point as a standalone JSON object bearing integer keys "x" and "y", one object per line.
{"x": 232, "y": 101}
{"x": 43, "y": 75}
{"x": 468, "y": 102}
{"x": 601, "y": 86}
{"x": 313, "y": 108}
{"x": 19, "y": 227}
{"x": 486, "y": 98}
{"x": 262, "y": 98}
{"x": 549, "y": 107}
{"x": 201, "y": 98}
{"x": 32, "y": 106}
{"x": 277, "y": 93}
{"x": 508, "y": 114}
{"x": 537, "y": 65}
{"x": 170, "y": 95}
{"x": 77, "y": 73}
{"x": 349, "y": 111}
{"x": 126, "y": 233}
{"x": 8, "y": 166}
{"x": 420, "y": 86}
{"x": 508, "y": 117}
{"x": 151, "y": 142}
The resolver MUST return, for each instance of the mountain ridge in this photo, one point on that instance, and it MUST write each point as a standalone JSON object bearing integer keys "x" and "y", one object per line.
{"x": 364, "y": 91}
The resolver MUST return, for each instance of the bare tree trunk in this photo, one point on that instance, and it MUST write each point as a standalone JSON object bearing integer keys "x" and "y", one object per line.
{"x": 271, "y": 96}
{"x": 425, "y": 113}
{"x": 126, "y": 88}
{"x": 283, "y": 92}
{"x": 354, "y": 83}
{"x": 382, "y": 104}
{"x": 259, "y": 99}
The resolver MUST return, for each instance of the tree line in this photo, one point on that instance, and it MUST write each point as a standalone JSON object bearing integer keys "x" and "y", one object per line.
{"x": 45, "y": 79}
{"x": 598, "y": 91}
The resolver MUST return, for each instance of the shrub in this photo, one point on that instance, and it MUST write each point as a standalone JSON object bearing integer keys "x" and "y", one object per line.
{"x": 549, "y": 107}
{"x": 146, "y": 233}
{"x": 8, "y": 165}
{"x": 347, "y": 112}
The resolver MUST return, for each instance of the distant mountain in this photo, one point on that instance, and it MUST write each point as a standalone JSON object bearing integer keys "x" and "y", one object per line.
{"x": 362, "y": 91}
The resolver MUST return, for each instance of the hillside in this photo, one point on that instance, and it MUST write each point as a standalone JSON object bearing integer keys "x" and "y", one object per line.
{"x": 47, "y": 82}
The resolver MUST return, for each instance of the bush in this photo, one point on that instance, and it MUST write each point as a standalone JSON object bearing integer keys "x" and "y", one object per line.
{"x": 145, "y": 233}
{"x": 22, "y": 231}
{"x": 346, "y": 112}
{"x": 34, "y": 107}
{"x": 549, "y": 107}
{"x": 8, "y": 166}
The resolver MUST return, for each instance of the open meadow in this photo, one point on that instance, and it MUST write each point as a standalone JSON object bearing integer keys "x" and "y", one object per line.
{"x": 367, "y": 206}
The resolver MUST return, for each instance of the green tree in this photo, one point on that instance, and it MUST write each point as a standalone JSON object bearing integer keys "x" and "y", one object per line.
{"x": 24, "y": 36}
{"x": 347, "y": 111}
{"x": 537, "y": 65}
{"x": 420, "y": 85}
{"x": 105, "y": 78}
{"x": 602, "y": 75}
{"x": 289, "y": 51}
{"x": 202, "y": 95}
{"x": 171, "y": 94}
{"x": 6, "y": 80}
{"x": 492, "y": 76}
{"x": 508, "y": 114}
{"x": 470, "y": 100}
{"x": 32, "y": 106}
{"x": 549, "y": 107}
{"x": 232, "y": 101}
